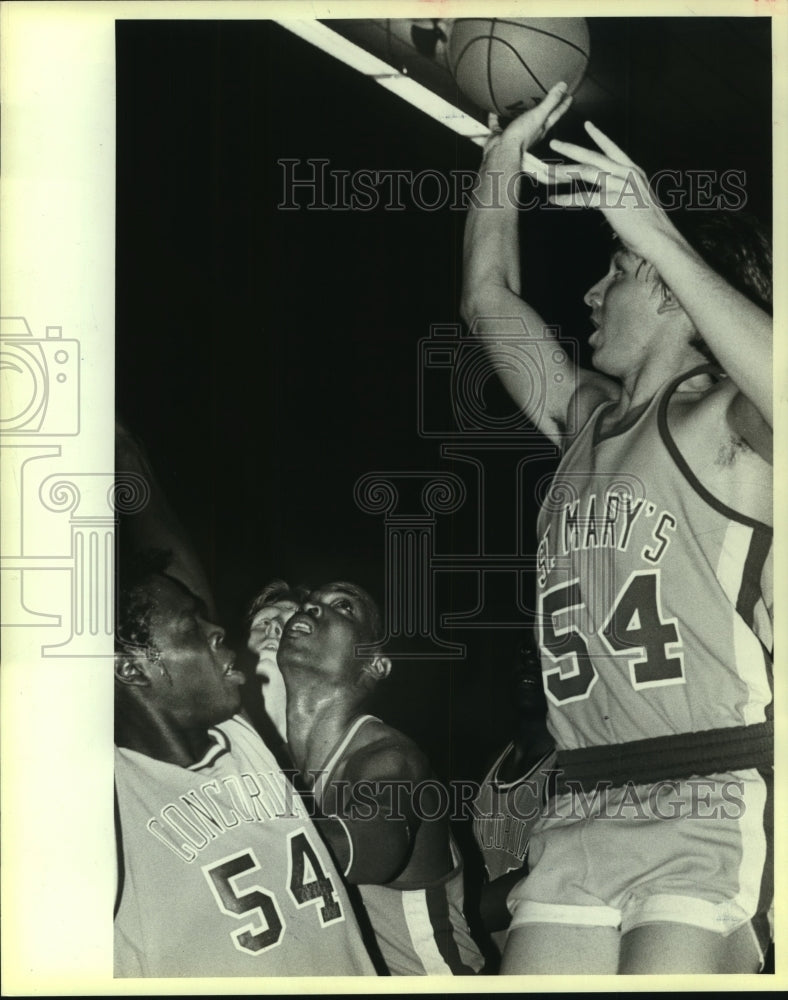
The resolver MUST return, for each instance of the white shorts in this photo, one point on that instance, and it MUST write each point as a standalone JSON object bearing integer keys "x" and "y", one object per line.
{"x": 696, "y": 852}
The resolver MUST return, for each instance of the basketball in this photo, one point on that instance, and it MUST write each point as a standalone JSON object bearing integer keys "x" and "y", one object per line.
{"x": 507, "y": 65}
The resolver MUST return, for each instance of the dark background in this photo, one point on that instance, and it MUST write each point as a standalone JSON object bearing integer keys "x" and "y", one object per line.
{"x": 268, "y": 359}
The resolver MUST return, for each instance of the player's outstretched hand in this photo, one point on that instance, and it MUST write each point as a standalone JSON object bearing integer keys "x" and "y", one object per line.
{"x": 530, "y": 126}
{"x": 620, "y": 188}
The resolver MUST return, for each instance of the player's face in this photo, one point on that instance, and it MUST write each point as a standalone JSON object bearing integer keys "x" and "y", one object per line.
{"x": 624, "y": 311}
{"x": 529, "y": 689}
{"x": 193, "y": 680}
{"x": 325, "y": 632}
{"x": 265, "y": 632}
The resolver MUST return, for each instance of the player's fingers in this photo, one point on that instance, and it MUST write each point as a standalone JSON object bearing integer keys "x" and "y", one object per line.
{"x": 553, "y": 117}
{"x": 531, "y": 125}
{"x": 562, "y": 173}
{"x": 531, "y": 164}
{"x": 494, "y": 123}
{"x": 589, "y": 157}
{"x": 607, "y": 145}
{"x": 577, "y": 199}
{"x": 494, "y": 132}
{"x": 552, "y": 99}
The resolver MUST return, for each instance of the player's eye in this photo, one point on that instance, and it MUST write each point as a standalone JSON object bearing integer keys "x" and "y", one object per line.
{"x": 342, "y": 604}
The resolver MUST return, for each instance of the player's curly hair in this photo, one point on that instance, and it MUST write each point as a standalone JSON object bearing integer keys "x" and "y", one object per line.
{"x": 738, "y": 247}
{"x": 273, "y": 593}
{"x": 134, "y": 601}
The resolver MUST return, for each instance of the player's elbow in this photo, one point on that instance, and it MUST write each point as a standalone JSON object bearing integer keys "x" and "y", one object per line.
{"x": 380, "y": 852}
{"x": 476, "y": 304}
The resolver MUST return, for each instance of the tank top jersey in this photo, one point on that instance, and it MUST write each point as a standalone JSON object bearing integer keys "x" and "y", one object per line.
{"x": 419, "y": 931}
{"x": 504, "y": 813}
{"x": 221, "y": 871}
{"x": 651, "y": 618}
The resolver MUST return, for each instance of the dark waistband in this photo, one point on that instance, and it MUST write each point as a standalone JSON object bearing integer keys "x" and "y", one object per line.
{"x": 661, "y": 758}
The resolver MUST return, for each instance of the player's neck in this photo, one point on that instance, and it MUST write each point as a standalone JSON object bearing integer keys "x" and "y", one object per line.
{"x": 531, "y": 743}
{"x": 316, "y": 720}
{"x": 643, "y": 383}
{"x": 154, "y": 738}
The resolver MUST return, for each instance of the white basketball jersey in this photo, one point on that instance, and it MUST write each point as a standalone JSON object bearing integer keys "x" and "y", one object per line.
{"x": 652, "y": 622}
{"x": 222, "y": 872}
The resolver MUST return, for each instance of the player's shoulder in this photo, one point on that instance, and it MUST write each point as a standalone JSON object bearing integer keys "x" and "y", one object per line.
{"x": 239, "y": 724}
{"x": 385, "y": 753}
{"x": 240, "y": 739}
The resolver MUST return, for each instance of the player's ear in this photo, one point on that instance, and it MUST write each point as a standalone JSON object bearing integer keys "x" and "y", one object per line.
{"x": 668, "y": 301}
{"x": 377, "y": 667}
{"x": 132, "y": 669}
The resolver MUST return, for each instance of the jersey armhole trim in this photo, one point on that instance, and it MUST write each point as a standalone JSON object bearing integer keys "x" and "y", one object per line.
{"x": 535, "y": 769}
{"x": 349, "y": 864}
{"x": 120, "y": 875}
{"x": 682, "y": 464}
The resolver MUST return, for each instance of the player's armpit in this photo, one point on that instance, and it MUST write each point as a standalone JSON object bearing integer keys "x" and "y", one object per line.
{"x": 747, "y": 423}
{"x": 590, "y": 389}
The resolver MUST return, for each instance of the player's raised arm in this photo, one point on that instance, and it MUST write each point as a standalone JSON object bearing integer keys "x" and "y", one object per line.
{"x": 736, "y": 330}
{"x": 491, "y": 304}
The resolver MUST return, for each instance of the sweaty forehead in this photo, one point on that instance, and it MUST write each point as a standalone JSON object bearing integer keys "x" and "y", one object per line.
{"x": 340, "y": 587}
{"x": 366, "y": 610}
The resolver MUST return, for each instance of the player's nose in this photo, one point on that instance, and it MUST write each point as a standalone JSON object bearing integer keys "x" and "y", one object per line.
{"x": 593, "y": 297}
{"x": 313, "y": 608}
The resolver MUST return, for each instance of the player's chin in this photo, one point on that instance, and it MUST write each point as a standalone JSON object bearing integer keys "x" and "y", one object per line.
{"x": 598, "y": 361}
{"x": 232, "y": 682}
{"x": 232, "y": 704}
{"x": 266, "y": 666}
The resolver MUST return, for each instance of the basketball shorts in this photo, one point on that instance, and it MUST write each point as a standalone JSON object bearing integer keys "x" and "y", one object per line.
{"x": 697, "y": 851}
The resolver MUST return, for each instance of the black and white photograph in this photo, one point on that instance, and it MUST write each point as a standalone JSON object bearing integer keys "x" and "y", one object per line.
{"x": 399, "y": 420}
